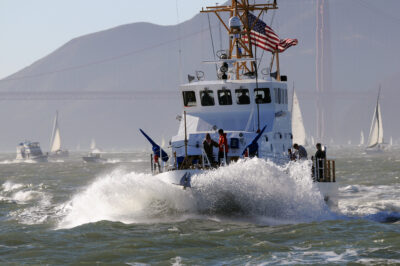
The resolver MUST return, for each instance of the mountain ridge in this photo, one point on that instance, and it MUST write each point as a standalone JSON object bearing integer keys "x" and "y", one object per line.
{"x": 145, "y": 57}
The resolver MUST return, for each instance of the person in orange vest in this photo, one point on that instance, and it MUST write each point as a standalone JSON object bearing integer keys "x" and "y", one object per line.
{"x": 222, "y": 144}
{"x": 156, "y": 163}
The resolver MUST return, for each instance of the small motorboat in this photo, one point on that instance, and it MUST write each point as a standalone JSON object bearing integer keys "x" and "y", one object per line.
{"x": 30, "y": 151}
{"x": 93, "y": 157}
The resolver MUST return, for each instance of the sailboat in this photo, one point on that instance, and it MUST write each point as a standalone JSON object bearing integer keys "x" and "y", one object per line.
{"x": 298, "y": 131}
{"x": 94, "y": 154}
{"x": 361, "y": 139}
{"x": 55, "y": 141}
{"x": 375, "y": 139}
{"x": 390, "y": 144}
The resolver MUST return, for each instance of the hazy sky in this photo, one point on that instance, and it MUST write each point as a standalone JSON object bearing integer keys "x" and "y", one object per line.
{"x": 31, "y": 29}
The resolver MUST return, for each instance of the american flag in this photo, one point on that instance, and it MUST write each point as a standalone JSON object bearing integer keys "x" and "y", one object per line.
{"x": 264, "y": 37}
{"x": 286, "y": 43}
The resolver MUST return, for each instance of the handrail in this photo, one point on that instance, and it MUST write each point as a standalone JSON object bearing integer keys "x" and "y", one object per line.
{"x": 326, "y": 172}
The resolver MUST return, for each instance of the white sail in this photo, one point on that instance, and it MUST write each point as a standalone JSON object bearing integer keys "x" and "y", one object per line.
{"x": 380, "y": 135}
{"x": 362, "y": 138}
{"x": 376, "y": 131}
{"x": 93, "y": 144}
{"x": 391, "y": 141}
{"x": 162, "y": 142}
{"x": 55, "y": 144}
{"x": 298, "y": 131}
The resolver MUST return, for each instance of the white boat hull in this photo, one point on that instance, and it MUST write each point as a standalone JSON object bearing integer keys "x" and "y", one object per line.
{"x": 376, "y": 149}
{"x": 174, "y": 177}
{"x": 89, "y": 159}
{"x": 59, "y": 154}
{"x": 329, "y": 190}
{"x": 38, "y": 159}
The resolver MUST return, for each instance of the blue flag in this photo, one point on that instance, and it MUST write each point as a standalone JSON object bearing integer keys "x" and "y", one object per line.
{"x": 253, "y": 146}
{"x": 156, "y": 148}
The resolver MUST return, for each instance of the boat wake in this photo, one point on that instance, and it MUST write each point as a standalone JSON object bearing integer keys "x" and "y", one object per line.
{"x": 254, "y": 191}
{"x": 249, "y": 189}
{"x": 17, "y": 162}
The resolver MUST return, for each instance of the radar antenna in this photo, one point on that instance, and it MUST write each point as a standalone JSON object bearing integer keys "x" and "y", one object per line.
{"x": 237, "y": 27}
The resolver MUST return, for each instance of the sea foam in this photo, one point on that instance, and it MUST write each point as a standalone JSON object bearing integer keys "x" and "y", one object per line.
{"x": 255, "y": 189}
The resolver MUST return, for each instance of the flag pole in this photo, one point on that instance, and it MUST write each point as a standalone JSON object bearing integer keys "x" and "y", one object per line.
{"x": 272, "y": 62}
{"x": 278, "y": 73}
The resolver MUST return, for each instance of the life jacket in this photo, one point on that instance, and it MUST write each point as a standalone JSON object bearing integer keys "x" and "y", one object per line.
{"x": 223, "y": 141}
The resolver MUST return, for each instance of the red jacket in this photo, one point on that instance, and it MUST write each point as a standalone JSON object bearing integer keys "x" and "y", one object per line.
{"x": 223, "y": 141}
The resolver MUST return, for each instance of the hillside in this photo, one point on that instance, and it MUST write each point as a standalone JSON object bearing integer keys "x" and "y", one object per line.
{"x": 144, "y": 58}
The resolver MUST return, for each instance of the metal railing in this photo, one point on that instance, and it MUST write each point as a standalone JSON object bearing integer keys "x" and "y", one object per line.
{"x": 324, "y": 170}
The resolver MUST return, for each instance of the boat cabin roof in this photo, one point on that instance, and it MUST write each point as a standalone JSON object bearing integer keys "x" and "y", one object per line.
{"x": 235, "y": 105}
{"x": 234, "y": 95}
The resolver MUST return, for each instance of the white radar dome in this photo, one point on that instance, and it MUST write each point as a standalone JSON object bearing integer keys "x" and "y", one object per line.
{"x": 235, "y": 23}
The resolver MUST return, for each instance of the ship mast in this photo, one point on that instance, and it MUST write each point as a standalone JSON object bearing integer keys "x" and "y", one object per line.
{"x": 237, "y": 27}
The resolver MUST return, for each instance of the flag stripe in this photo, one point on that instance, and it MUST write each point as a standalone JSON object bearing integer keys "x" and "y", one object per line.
{"x": 264, "y": 37}
{"x": 262, "y": 43}
{"x": 286, "y": 43}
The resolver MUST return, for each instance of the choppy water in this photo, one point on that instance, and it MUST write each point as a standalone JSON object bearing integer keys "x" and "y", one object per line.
{"x": 255, "y": 212}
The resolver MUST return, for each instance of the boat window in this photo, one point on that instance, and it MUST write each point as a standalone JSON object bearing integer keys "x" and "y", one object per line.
{"x": 189, "y": 98}
{"x": 279, "y": 95}
{"x": 207, "y": 97}
{"x": 224, "y": 97}
{"x": 276, "y": 96}
{"x": 242, "y": 96}
{"x": 285, "y": 97}
{"x": 262, "y": 95}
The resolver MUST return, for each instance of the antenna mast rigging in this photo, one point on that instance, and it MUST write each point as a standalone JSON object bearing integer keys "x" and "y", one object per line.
{"x": 238, "y": 26}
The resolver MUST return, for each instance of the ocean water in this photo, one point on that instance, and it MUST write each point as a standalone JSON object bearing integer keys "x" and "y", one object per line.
{"x": 251, "y": 212}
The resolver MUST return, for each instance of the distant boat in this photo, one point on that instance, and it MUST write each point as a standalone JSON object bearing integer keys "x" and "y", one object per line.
{"x": 391, "y": 141}
{"x": 375, "y": 138}
{"x": 93, "y": 144}
{"x": 55, "y": 141}
{"x": 94, "y": 155}
{"x": 361, "y": 139}
{"x": 162, "y": 142}
{"x": 30, "y": 151}
{"x": 298, "y": 131}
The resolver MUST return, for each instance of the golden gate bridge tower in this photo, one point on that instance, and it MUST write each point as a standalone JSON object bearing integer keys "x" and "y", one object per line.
{"x": 323, "y": 71}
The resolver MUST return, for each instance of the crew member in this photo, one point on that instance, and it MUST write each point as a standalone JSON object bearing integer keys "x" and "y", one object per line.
{"x": 208, "y": 145}
{"x": 320, "y": 156}
{"x": 206, "y": 99}
{"x": 223, "y": 147}
{"x": 243, "y": 98}
{"x": 300, "y": 152}
{"x": 291, "y": 155}
{"x": 156, "y": 162}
